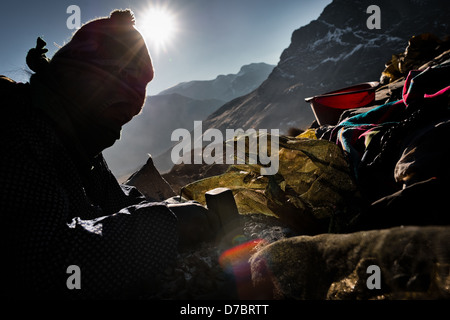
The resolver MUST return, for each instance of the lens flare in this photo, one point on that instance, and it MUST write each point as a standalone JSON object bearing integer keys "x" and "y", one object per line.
{"x": 235, "y": 261}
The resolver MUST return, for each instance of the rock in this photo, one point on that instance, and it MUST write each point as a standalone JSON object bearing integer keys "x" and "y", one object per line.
{"x": 207, "y": 271}
{"x": 196, "y": 275}
{"x": 150, "y": 183}
{"x": 183, "y": 174}
{"x": 220, "y": 203}
{"x": 414, "y": 263}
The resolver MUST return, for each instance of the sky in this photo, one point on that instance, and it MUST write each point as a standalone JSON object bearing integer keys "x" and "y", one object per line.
{"x": 201, "y": 39}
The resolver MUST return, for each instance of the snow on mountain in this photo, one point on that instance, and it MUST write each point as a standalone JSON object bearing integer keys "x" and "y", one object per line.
{"x": 331, "y": 52}
{"x": 334, "y": 51}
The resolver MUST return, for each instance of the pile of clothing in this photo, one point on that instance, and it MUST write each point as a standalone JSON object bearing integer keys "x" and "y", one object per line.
{"x": 399, "y": 152}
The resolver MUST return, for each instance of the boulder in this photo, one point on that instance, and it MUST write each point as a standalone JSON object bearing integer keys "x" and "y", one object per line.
{"x": 150, "y": 183}
{"x": 398, "y": 263}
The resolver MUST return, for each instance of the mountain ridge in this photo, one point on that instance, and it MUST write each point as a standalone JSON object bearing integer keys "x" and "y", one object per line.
{"x": 333, "y": 51}
{"x": 224, "y": 87}
{"x": 150, "y": 132}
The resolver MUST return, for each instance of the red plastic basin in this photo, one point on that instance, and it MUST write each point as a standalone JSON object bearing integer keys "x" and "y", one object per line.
{"x": 328, "y": 107}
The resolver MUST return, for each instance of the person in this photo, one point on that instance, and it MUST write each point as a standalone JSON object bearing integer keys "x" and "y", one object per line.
{"x": 61, "y": 207}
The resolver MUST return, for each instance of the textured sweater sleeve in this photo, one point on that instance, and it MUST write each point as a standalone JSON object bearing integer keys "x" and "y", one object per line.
{"x": 117, "y": 254}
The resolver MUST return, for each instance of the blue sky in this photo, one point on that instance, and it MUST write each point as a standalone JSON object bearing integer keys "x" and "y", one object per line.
{"x": 212, "y": 36}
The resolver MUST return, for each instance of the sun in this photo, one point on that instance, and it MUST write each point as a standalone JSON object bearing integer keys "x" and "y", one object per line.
{"x": 158, "y": 25}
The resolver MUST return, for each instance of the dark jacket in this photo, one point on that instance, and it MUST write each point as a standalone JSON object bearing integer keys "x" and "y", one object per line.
{"x": 56, "y": 213}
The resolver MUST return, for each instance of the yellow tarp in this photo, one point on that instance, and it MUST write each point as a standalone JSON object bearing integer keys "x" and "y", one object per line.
{"x": 313, "y": 185}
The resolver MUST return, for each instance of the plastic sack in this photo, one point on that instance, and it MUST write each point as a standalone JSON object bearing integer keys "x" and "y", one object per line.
{"x": 313, "y": 190}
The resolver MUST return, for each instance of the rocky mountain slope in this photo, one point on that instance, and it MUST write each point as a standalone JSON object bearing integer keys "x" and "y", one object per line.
{"x": 149, "y": 132}
{"x": 329, "y": 53}
{"x": 332, "y": 52}
{"x": 177, "y": 107}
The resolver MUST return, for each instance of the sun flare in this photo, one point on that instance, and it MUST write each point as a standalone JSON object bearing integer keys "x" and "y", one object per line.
{"x": 158, "y": 25}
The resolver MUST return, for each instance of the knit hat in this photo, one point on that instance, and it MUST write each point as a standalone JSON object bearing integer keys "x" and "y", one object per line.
{"x": 112, "y": 44}
{"x": 105, "y": 64}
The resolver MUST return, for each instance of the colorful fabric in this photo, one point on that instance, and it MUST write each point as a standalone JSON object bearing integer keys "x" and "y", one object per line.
{"x": 421, "y": 88}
